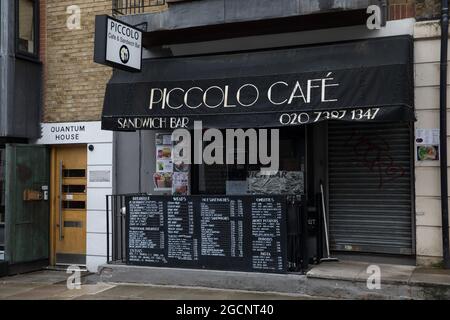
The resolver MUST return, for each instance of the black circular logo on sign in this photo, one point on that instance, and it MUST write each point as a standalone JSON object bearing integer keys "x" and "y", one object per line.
{"x": 124, "y": 54}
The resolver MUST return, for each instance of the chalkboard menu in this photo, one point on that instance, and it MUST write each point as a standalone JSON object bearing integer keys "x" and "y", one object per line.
{"x": 246, "y": 233}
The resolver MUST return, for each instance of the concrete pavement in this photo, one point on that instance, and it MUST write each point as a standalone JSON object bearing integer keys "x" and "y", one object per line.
{"x": 45, "y": 285}
{"x": 335, "y": 280}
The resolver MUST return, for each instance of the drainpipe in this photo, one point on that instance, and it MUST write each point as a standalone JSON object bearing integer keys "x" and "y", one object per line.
{"x": 443, "y": 132}
{"x": 384, "y": 10}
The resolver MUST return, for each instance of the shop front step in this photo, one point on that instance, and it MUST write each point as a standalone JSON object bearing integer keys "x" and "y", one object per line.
{"x": 252, "y": 281}
{"x": 341, "y": 281}
{"x": 355, "y": 279}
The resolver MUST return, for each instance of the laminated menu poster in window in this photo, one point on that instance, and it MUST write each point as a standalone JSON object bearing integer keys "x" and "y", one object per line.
{"x": 163, "y": 177}
{"x": 163, "y": 139}
{"x": 169, "y": 176}
{"x": 180, "y": 175}
{"x": 163, "y": 152}
{"x": 180, "y": 184}
{"x": 164, "y": 166}
{"x": 427, "y": 144}
{"x": 162, "y": 181}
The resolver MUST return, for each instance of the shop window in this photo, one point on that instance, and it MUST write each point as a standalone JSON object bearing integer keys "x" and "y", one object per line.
{"x": 27, "y": 27}
{"x": 239, "y": 179}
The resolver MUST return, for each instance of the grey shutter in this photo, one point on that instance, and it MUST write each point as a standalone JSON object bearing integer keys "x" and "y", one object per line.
{"x": 370, "y": 181}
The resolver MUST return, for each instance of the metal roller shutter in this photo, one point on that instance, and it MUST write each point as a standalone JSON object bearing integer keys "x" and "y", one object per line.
{"x": 370, "y": 187}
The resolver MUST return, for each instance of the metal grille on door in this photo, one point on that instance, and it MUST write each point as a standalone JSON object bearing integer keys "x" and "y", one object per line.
{"x": 370, "y": 195}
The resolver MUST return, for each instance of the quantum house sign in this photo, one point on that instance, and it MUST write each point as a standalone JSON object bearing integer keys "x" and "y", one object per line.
{"x": 73, "y": 133}
{"x": 67, "y": 132}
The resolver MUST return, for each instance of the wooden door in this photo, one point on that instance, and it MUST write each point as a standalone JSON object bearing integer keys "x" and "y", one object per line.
{"x": 69, "y": 172}
{"x": 26, "y": 204}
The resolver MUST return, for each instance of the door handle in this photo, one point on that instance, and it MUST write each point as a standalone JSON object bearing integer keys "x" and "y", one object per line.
{"x": 61, "y": 236}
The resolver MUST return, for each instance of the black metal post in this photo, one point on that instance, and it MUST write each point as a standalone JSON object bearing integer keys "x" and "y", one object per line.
{"x": 443, "y": 133}
{"x": 303, "y": 210}
{"x": 107, "y": 229}
{"x": 319, "y": 227}
{"x": 122, "y": 228}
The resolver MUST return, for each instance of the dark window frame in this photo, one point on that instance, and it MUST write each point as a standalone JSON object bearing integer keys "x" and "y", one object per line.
{"x": 301, "y": 146}
{"x": 36, "y": 25}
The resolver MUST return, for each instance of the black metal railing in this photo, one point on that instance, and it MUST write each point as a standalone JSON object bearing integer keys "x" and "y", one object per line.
{"x": 297, "y": 233}
{"x": 297, "y": 256}
{"x": 126, "y": 7}
{"x": 116, "y": 228}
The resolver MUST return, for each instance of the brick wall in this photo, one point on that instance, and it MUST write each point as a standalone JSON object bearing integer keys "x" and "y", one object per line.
{"x": 43, "y": 28}
{"x": 420, "y": 9}
{"x": 401, "y": 9}
{"x": 428, "y": 9}
{"x": 42, "y": 40}
{"x": 74, "y": 85}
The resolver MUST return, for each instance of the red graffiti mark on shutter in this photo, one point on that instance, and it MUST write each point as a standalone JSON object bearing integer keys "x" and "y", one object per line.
{"x": 375, "y": 154}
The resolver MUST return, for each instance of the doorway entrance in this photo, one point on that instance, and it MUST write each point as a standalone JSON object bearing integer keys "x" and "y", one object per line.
{"x": 68, "y": 205}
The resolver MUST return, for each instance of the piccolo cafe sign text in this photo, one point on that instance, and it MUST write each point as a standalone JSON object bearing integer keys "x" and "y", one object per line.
{"x": 117, "y": 44}
{"x": 275, "y": 93}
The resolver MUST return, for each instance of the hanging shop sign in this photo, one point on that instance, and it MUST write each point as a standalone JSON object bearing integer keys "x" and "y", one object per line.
{"x": 117, "y": 44}
{"x": 207, "y": 232}
{"x": 369, "y": 80}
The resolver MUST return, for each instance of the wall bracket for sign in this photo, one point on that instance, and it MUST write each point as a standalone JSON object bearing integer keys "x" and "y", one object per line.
{"x": 118, "y": 44}
{"x": 141, "y": 24}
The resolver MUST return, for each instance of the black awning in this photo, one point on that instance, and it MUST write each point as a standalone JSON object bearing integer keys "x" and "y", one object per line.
{"x": 368, "y": 80}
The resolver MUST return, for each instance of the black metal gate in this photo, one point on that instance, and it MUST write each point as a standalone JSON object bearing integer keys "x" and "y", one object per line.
{"x": 116, "y": 228}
